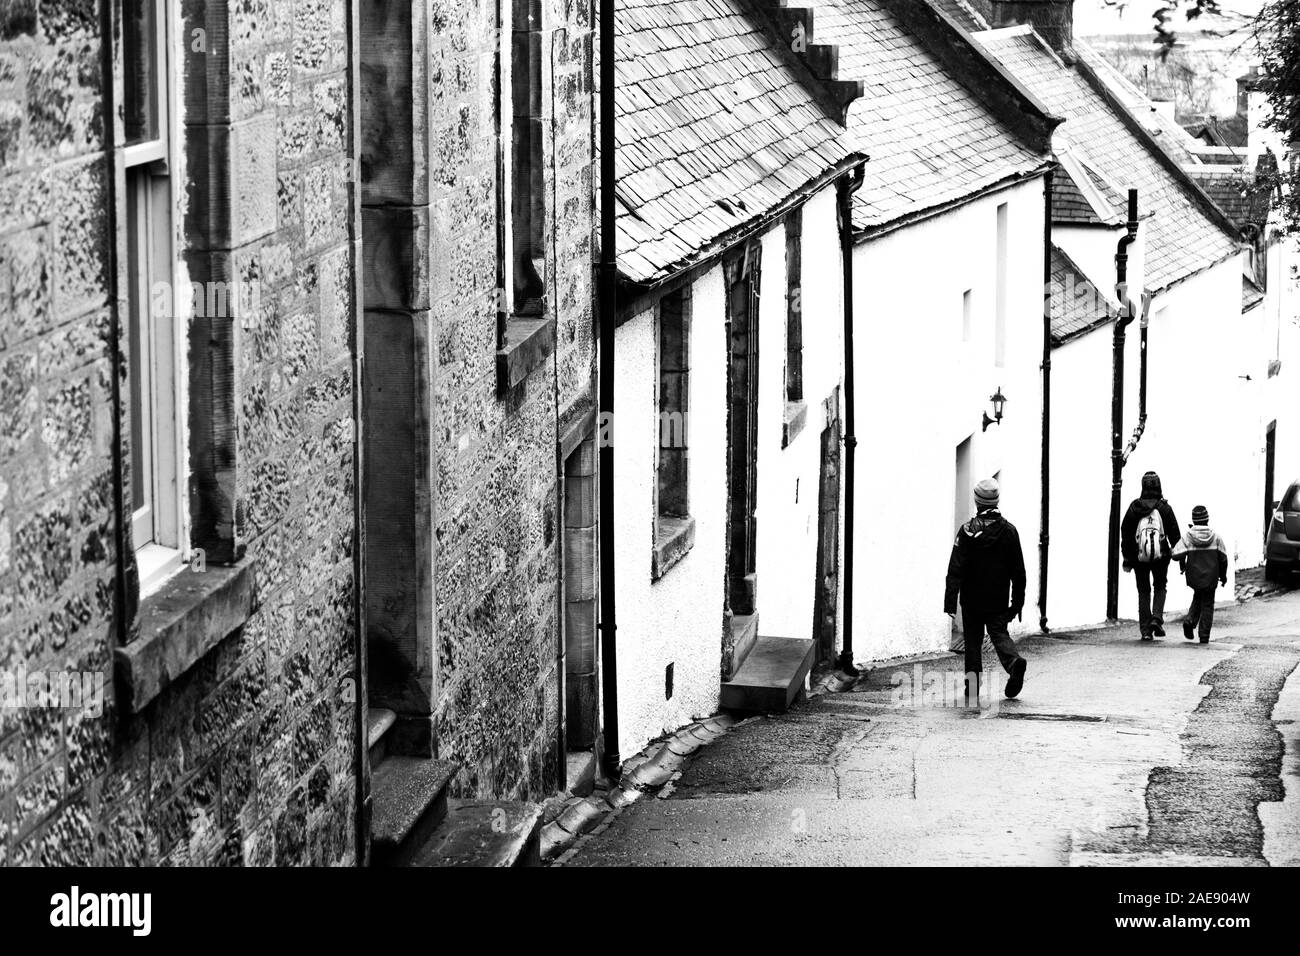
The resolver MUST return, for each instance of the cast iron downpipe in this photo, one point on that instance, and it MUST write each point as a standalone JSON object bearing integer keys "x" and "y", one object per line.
{"x": 845, "y": 187}
{"x": 1142, "y": 382}
{"x": 125, "y": 586}
{"x": 1044, "y": 517}
{"x": 608, "y": 310}
{"x": 1117, "y": 454}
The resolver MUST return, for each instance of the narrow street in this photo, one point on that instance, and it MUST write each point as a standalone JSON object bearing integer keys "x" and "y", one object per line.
{"x": 1116, "y": 753}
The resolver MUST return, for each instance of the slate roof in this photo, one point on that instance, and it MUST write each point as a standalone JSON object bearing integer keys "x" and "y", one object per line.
{"x": 1068, "y": 202}
{"x": 1235, "y": 192}
{"x": 1081, "y": 196}
{"x": 1160, "y": 125}
{"x": 931, "y": 140}
{"x": 1231, "y": 131}
{"x": 966, "y": 16}
{"x": 1078, "y": 306}
{"x": 715, "y": 127}
{"x": 1182, "y": 238}
{"x": 1251, "y": 294}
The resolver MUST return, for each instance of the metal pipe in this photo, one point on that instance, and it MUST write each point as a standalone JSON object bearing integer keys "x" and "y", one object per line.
{"x": 360, "y": 673}
{"x": 1044, "y": 517}
{"x": 607, "y": 315}
{"x": 125, "y": 578}
{"x": 505, "y": 130}
{"x": 1142, "y": 385}
{"x": 845, "y": 188}
{"x": 1117, "y": 406}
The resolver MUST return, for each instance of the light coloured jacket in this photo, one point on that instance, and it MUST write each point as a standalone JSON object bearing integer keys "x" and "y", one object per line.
{"x": 1203, "y": 557}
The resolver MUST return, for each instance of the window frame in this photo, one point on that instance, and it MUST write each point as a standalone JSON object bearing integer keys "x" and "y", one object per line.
{"x": 673, "y": 533}
{"x": 1002, "y": 277}
{"x": 155, "y": 335}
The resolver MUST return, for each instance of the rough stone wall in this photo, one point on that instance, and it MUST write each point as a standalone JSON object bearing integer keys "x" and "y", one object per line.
{"x": 277, "y": 717}
{"x": 573, "y": 217}
{"x": 248, "y": 757}
{"x": 497, "y": 702}
{"x": 56, "y": 542}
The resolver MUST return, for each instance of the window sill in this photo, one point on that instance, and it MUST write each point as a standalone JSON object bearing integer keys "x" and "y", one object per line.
{"x": 183, "y": 620}
{"x": 529, "y": 341}
{"x": 796, "y": 416}
{"x": 156, "y": 565}
{"x": 674, "y": 539}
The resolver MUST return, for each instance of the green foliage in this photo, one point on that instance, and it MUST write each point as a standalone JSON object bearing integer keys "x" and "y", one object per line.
{"x": 1277, "y": 32}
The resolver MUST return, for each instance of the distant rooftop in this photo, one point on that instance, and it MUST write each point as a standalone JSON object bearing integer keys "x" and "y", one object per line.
{"x": 1185, "y": 234}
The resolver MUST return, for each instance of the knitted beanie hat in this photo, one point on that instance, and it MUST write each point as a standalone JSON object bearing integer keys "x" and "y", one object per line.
{"x": 986, "y": 494}
{"x": 1200, "y": 515}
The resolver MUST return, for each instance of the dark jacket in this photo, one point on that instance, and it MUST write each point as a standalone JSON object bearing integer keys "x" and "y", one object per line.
{"x": 1139, "y": 509}
{"x": 1203, "y": 557}
{"x": 986, "y": 567}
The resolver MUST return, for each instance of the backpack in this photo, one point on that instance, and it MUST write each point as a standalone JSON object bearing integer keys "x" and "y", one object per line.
{"x": 1151, "y": 537}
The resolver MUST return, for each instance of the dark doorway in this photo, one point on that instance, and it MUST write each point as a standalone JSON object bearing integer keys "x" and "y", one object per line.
{"x": 742, "y": 322}
{"x": 579, "y": 549}
{"x": 828, "y": 544}
{"x": 1270, "y": 463}
{"x": 962, "y": 511}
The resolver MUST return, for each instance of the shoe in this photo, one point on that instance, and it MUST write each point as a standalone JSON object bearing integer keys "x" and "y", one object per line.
{"x": 1016, "y": 680}
{"x": 1205, "y": 640}
{"x": 1188, "y": 631}
{"x": 1147, "y": 637}
{"x": 1158, "y": 630}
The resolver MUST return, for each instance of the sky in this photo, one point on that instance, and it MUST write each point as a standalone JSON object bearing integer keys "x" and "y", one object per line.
{"x": 1094, "y": 16}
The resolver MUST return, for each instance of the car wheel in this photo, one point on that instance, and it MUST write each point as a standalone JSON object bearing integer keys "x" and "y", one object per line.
{"x": 1272, "y": 572}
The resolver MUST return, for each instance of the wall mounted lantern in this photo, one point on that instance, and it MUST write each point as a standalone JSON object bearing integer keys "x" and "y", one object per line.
{"x": 998, "y": 400}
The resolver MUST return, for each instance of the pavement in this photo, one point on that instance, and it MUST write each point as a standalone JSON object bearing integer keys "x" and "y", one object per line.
{"x": 1116, "y": 753}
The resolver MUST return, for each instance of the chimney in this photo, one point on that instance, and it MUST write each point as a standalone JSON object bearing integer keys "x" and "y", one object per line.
{"x": 1053, "y": 19}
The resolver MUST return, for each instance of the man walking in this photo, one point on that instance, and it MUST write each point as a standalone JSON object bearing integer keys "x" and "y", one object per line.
{"x": 1146, "y": 541}
{"x": 987, "y": 573}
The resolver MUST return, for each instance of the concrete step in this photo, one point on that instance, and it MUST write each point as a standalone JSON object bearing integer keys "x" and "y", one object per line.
{"x": 772, "y": 675}
{"x": 484, "y": 833}
{"x": 409, "y": 796}
{"x": 378, "y": 723}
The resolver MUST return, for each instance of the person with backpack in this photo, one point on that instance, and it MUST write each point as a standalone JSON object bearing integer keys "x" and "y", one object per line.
{"x": 1146, "y": 544}
{"x": 1204, "y": 561}
{"x": 987, "y": 573}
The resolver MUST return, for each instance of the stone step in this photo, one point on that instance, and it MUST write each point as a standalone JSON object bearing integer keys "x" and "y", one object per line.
{"x": 744, "y": 632}
{"x": 772, "y": 676}
{"x": 484, "y": 833}
{"x": 409, "y": 797}
{"x": 378, "y": 722}
{"x": 580, "y": 772}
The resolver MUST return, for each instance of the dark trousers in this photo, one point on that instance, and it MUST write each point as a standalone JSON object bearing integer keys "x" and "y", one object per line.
{"x": 974, "y": 625}
{"x": 1151, "y": 606}
{"x": 1202, "y": 611}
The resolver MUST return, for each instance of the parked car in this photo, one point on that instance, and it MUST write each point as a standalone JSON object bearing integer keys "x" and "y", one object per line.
{"x": 1282, "y": 549}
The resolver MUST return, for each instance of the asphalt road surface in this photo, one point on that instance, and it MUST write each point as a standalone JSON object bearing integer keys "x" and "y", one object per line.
{"x": 1116, "y": 753}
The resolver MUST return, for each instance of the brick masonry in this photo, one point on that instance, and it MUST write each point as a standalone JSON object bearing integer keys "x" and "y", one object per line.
{"x": 248, "y": 757}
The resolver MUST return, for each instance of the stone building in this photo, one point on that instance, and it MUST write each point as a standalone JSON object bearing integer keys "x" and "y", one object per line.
{"x": 296, "y": 425}
{"x": 478, "y": 429}
{"x": 177, "y": 467}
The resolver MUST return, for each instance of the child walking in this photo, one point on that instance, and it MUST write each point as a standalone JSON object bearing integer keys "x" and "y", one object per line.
{"x": 1204, "y": 560}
